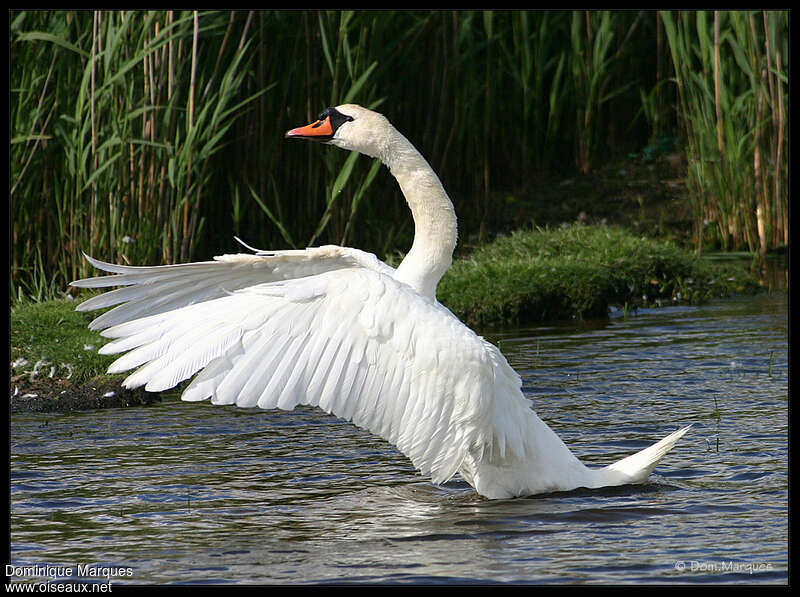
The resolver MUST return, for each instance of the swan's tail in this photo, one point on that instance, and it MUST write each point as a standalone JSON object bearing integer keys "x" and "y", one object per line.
{"x": 637, "y": 467}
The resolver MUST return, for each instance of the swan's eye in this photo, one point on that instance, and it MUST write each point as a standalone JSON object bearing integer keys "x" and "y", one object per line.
{"x": 337, "y": 119}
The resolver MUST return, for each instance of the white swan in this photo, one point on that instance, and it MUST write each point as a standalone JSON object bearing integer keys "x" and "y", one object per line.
{"x": 336, "y": 328}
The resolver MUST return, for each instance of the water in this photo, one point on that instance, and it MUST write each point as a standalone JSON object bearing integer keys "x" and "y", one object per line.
{"x": 190, "y": 493}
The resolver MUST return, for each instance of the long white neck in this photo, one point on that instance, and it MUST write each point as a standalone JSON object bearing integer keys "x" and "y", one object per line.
{"x": 435, "y": 228}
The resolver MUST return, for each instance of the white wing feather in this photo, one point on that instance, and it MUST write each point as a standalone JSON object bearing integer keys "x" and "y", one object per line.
{"x": 163, "y": 288}
{"x": 333, "y": 330}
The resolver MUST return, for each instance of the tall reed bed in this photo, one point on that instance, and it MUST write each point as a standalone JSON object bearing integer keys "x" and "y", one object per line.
{"x": 731, "y": 74}
{"x": 115, "y": 125}
{"x": 156, "y": 136}
{"x": 132, "y": 130}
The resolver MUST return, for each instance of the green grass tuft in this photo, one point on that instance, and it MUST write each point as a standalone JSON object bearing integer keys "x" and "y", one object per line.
{"x": 53, "y": 334}
{"x": 578, "y": 272}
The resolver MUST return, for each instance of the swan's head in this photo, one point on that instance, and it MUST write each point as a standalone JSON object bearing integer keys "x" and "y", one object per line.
{"x": 348, "y": 126}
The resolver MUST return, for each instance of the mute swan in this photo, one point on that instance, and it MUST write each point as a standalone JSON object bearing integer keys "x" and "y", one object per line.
{"x": 336, "y": 328}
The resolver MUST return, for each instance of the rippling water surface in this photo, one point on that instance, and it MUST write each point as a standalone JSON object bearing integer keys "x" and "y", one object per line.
{"x": 190, "y": 493}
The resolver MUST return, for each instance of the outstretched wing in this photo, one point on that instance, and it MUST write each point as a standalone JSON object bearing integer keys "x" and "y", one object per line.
{"x": 159, "y": 289}
{"x": 353, "y": 341}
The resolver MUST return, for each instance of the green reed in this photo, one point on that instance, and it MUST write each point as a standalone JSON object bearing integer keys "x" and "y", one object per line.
{"x": 122, "y": 167}
{"x": 732, "y": 82}
{"x": 595, "y": 61}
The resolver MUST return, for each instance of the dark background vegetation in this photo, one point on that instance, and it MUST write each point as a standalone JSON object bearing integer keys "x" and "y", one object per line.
{"x": 155, "y": 136}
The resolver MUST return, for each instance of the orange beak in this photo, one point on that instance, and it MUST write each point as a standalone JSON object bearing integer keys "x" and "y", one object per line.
{"x": 321, "y": 130}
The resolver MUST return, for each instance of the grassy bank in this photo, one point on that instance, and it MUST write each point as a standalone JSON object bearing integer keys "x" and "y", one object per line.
{"x": 50, "y": 337}
{"x": 55, "y": 365}
{"x": 568, "y": 272}
{"x": 579, "y": 272}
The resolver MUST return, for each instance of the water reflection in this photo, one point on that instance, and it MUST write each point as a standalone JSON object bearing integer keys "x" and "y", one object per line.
{"x": 194, "y": 493}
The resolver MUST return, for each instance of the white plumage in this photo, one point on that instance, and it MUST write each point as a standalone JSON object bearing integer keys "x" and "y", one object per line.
{"x": 336, "y": 328}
